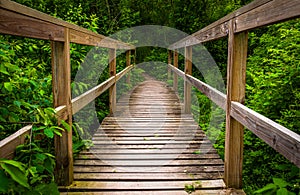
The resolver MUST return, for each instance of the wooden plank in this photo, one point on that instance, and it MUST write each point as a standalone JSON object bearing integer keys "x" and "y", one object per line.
{"x": 146, "y": 156}
{"x": 272, "y": 12}
{"x": 16, "y": 24}
{"x": 131, "y": 185}
{"x": 112, "y": 73}
{"x": 175, "y": 76}
{"x": 188, "y": 71}
{"x": 9, "y": 144}
{"x": 61, "y": 82}
{"x": 149, "y": 162}
{"x": 161, "y": 192}
{"x": 54, "y": 24}
{"x": 165, "y": 168}
{"x": 254, "y": 15}
{"x": 236, "y": 84}
{"x": 283, "y": 140}
{"x": 145, "y": 176}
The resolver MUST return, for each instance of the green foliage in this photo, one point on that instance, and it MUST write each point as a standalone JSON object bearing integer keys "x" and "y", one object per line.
{"x": 279, "y": 187}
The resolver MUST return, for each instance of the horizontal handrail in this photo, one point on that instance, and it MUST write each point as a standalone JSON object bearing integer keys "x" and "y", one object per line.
{"x": 283, "y": 140}
{"x": 9, "y": 144}
{"x": 256, "y": 14}
{"x": 81, "y": 101}
{"x": 23, "y": 21}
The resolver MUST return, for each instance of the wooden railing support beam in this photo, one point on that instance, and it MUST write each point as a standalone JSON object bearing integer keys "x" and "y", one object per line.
{"x": 175, "y": 76}
{"x": 61, "y": 82}
{"x": 187, "y": 86}
{"x": 112, "y": 73}
{"x": 236, "y": 79}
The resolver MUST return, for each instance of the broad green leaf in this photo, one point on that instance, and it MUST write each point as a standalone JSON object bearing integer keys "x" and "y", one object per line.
{"x": 282, "y": 191}
{"x": 280, "y": 182}
{"x": 16, "y": 174}
{"x": 17, "y": 164}
{"x": 268, "y": 187}
{"x": 49, "y": 133}
{"x": 8, "y": 86}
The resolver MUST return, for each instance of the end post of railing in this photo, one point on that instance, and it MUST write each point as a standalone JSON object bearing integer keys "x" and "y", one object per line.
{"x": 188, "y": 71}
{"x": 236, "y": 81}
{"x": 61, "y": 82}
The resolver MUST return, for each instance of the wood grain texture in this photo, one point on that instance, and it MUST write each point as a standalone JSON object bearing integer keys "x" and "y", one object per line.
{"x": 188, "y": 65}
{"x": 254, "y": 15}
{"x": 61, "y": 82}
{"x": 283, "y": 140}
{"x": 136, "y": 151}
{"x": 112, "y": 72}
{"x": 236, "y": 85}
{"x": 16, "y": 24}
{"x": 9, "y": 144}
{"x": 15, "y": 18}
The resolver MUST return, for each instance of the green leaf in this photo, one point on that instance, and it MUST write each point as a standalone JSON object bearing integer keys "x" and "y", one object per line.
{"x": 8, "y": 86}
{"x": 49, "y": 133}
{"x": 17, "y": 103}
{"x": 13, "y": 163}
{"x": 280, "y": 182}
{"x": 66, "y": 125}
{"x": 16, "y": 174}
{"x": 268, "y": 187}
{"x": 282, "y": 191}
{"x": 4, "y": 182}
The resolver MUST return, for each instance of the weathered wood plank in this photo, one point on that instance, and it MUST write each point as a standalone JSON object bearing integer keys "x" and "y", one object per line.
{"x": 28, "y": 20}
{"x": 131, "y": 185}
{"x": 283, "y": 140}
{"x": 254, "y": 15}
{"x": 188, "y": 71}
{"x": 146, "y": 176}
{"x": 161, "y": 192}
{"x": 236, "y": 85}
{"x": 61, "y": 82}
{"x": 150, "y": 169}
{"x": 16, "y": 24}
{"x": 9, "y": 144}
{"x": 112, "y": 72}
{"x": 272, "y": 12}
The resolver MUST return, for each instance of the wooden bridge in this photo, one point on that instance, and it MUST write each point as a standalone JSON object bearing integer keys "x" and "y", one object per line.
{"x": 128, "y": 156}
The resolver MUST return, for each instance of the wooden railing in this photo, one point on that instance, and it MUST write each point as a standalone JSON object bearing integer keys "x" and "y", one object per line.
{"x": 235, "y": 26}
{"x": 19, "y": 20}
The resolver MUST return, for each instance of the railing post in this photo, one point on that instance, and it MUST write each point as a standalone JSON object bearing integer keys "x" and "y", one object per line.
{"x": 175, "y": 76}
{"x": 128, "y": 63}
{"x": 188, "y": 71}
{"x": 61, "y": 87}
{"x": 236, "y": 78}
{"x": 169, "y": 62}
{"x": 112, "y": 72}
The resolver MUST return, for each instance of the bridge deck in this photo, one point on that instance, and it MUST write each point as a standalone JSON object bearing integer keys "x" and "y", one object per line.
{"x": 148, "y": 146}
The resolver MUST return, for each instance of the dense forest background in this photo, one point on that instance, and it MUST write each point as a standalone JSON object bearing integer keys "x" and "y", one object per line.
{"x": 273, "y": 83}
